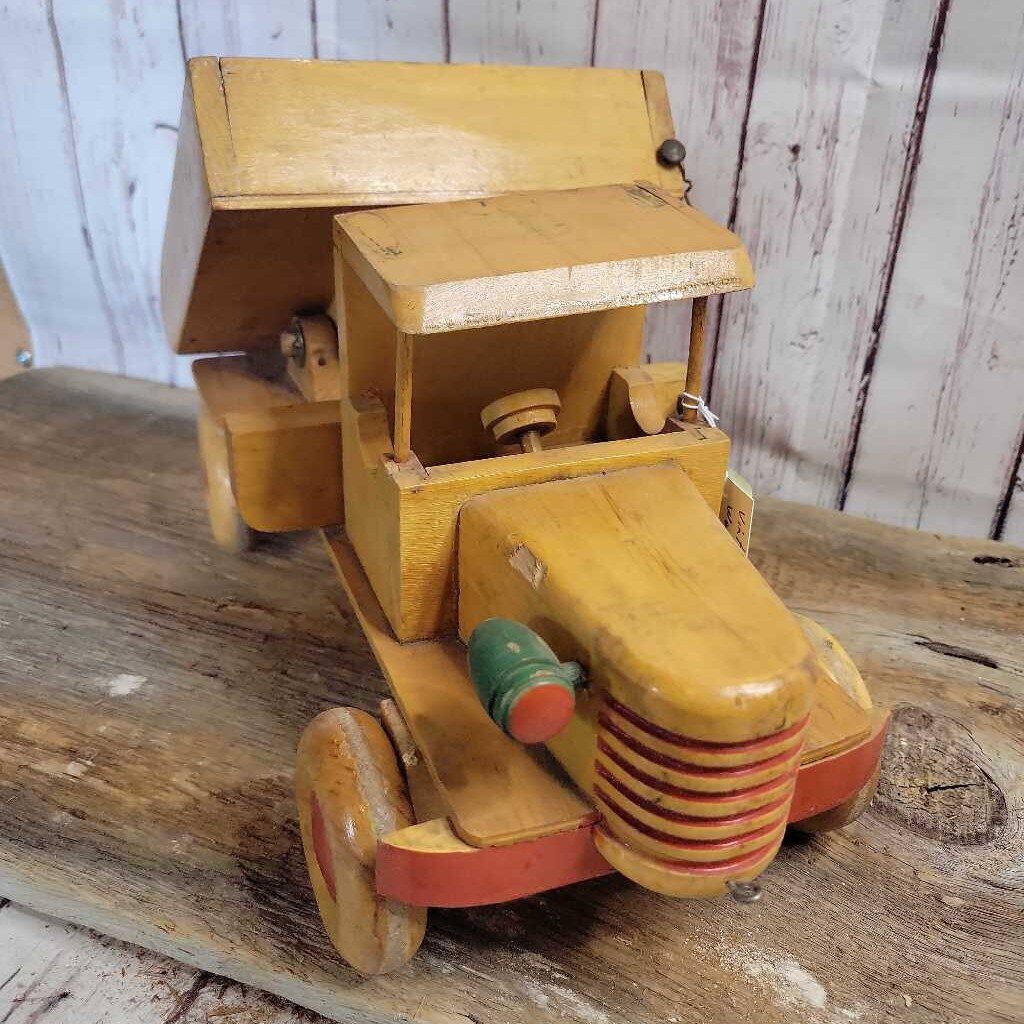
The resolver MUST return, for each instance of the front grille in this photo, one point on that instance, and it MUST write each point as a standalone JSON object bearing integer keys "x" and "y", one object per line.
{"x": 695, "y": 805}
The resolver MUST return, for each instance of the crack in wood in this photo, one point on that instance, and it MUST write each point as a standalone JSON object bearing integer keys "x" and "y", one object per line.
{"x": 187, "y": 999}
{"x": 996, "y": 560}
{"x": 911, "y": 162}
{"x": 593, "y": 32}
{"x": 922, "y": 751}
{"x": 952, "y": 651}
{"x": 734, "y": 202}
{"x": 1013, "y": 483}
{"x": 49, "y": 1003}
{"x": 953, "y": 785}
{"x": 314, "y": 31}
{"x": 181, "y": 31}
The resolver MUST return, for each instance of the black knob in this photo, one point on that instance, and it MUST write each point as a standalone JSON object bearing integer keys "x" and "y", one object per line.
{"x": 672, "y": 153}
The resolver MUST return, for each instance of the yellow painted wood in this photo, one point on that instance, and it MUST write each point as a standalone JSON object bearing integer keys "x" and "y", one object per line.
{"x": 283, "y": 454}
{"x": 836, "y": 662}
{"x": 667, "y": 851}
{"x": 347, "y": 133}
{"x": 402, "y": 519}
{"x": 426, "y": 798}
{"x": 496, "y": 790}
{"x": 228, "y": 527}
{"x": 641, "y": 398}
{"x": 695, "y": 359}
{"x": 832, "y": 728}
{"x": 188, "y": 219}
{"x": 270, "y": 150}
{"x": 685, "y": 779}
{"x": 433, "y": 836}
{"x": 649, "y": 870}
{"x": 688, "y": 830}
{"x": 634, "y": 577}
{"x": 683, "y": 804}
{"x": 317, "y": 374}
{"x": 527, "y": 256}
{"x": 456, "y": 375}
{"x": 286, "y": 466}
{"x": 725, "y": 757}
{"x": 229, "y": 384}
{"x": 403, "y": 396}
{"x": 251, "y": 271}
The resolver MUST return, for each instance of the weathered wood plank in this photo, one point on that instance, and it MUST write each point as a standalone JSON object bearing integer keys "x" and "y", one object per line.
{"x": 152, "y": 690}
{"x": 234, "y": 28}
{"x": 57, "y": 973}
{"x": 374, "y": 30}
{"x": 834, "y": 99}
{"x": 123, "y": 94}
{"x": 705, "y": 50}
{"x": 49, "y": 256}
{"x": 944, "y": 417}
{"x": 526, "y": 32}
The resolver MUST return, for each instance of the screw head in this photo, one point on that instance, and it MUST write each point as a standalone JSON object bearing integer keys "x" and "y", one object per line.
{"x": 293, "y": 344}
{"x": 23, "y": 357}
{"x": 671, "y": 153}
{"x": 744, "y": 892}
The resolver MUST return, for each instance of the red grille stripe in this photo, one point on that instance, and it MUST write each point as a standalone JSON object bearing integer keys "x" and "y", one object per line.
{"x": 729, "y": 772}
{"x": 688, "y": 819}
{"x": 706, "y": 745}
{"x": 693, "y": 794}
{"x": 700, "y": 867}
{"x": 686, "y": 844}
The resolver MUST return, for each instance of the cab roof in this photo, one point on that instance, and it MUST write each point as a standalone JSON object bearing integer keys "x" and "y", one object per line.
{"x": 532, "y": 255}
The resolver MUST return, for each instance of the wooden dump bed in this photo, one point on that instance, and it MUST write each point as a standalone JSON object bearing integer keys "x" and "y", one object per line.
{"x": 269, "y": 150}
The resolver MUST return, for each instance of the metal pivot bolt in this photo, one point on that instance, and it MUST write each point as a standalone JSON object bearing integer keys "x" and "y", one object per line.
{"x": 293, "y": 344}
{"x": 23, "y": 357}
{"x": 744, "y": 892}
{"x": 671, "y": 153}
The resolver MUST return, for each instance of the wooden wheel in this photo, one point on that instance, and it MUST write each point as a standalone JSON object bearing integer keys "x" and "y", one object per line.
{"x": 350, "y": 792}
{"x": 229, "y": 529}
{"x": 844, "y": 813}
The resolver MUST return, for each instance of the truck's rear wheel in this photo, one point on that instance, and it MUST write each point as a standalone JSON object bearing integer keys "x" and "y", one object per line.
{"x": 350, "y": 792}
{"x": 229, "y": 529}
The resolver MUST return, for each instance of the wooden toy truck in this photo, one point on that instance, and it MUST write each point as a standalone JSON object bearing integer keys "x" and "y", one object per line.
{"x": 437, "y": 277}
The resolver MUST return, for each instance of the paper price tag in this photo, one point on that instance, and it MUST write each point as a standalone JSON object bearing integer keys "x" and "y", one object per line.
{"x": 737, "y": 510}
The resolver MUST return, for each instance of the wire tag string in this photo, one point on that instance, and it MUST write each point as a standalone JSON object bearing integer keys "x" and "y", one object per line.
{"x": 688, "y": 401}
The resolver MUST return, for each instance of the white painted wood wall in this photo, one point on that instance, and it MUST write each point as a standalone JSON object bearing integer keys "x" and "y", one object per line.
{"x": 871, "y": 155}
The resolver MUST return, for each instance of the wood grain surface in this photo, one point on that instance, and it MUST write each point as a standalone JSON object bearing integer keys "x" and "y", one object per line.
{"x": 153, "y": 689}
{"x": 52, "y": 972}
{"x": 530, "y": 256}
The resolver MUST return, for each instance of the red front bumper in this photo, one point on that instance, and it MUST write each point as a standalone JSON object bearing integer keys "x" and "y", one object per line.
{"x": 475, "y": 876}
